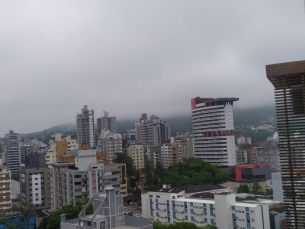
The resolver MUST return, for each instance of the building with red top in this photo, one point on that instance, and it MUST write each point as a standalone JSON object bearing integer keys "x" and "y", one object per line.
{"x": 213, "y": 130}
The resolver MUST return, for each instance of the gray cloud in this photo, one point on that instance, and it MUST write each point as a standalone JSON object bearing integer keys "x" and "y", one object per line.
{"x": 127, "y": 57}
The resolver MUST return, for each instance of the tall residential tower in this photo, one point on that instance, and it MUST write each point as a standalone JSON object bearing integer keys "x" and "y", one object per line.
{"x": 288, "y": 80}
{"x": 213, "y": 130}
{"x": 106, "y": 123}
{"x": 85, "y": 127}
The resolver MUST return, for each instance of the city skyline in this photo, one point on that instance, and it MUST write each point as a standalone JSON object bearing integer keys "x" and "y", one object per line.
{"x": 98, "y": 53}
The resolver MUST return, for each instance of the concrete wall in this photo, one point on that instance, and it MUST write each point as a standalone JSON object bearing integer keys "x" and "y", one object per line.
{"x": 137, "y": 222}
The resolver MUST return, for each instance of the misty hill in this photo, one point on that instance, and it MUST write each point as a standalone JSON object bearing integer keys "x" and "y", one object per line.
{"x": 254, "y": 116}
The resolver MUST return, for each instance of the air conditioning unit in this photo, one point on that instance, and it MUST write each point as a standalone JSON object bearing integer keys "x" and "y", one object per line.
{"x": 252, "y": 220}
{"x": 214, "y": 214}
{"x": 253, "y": 227}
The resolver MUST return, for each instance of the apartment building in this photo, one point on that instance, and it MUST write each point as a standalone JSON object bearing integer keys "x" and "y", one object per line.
{"x": 11, "y": 149}
{"x": 154, "y": 131}
{"x": 25, "y": 151}
{"x": 269, "y": 153}
{"x": 85, "y": 127}
{"x": 35, "y": 187}
{"x": 108, "y": 213}
{"x": 153, "y": 154}
{"x": 123, "y": 176}
{"x": 171, "y": 154}
{"x": 60, "y": 147}
{"x": 138, "y": 128}
{"x": 213, "y": 130}
{"x": 217, "y": 208}
{"x": 186, "y": 143}
{"x": 137, "y": 153}
{"x": 72, "y": 181}
{"x": 106, "y": 123}
{"x": 35, "y": 181}
{"x": 110, "y": 144}
{"x": 243, "y": 140}
{"x": 5, "y": 190}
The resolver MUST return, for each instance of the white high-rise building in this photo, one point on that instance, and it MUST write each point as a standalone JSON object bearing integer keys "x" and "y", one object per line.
{"x": 213, "y": 130}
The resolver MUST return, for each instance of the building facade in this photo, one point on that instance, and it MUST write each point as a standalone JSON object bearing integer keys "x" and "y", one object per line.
{"x": 289, "y": 85}
{"x": 171, "y": 154}
{"x": 213, "y": 130}
{"x": 35, "y": 186}
{"x": 5, "y": 190}
{"x": 81, "y": 179}
{"x": 85, "y": 127}
{"x": 269, "y": 153}
{"x": 106, "y": 123}
{"x": 138, "y": 127}
{"x": 59, "y": 148}
{"x": 12, "y": 153}
{"x": 110, "y": 144}
{"x": 219, "y": 209}
{"x": 154, "y": 131}
{"x": 123, "y": 176}
{"x": 137, "y": 153}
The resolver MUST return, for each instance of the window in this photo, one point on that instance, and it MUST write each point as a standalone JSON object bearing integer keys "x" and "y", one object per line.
{"x": 157, "y": 196}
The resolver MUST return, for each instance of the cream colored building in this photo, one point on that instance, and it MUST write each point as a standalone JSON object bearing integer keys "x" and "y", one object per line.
{"x": 59, "y": 148}
{"x": 136, "y": 152}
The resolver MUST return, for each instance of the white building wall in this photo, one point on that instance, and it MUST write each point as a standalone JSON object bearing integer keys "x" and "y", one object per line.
{"x": 36, "y": 189}
{"x": 213, "y": 131}
{"x": 223, "y": 212}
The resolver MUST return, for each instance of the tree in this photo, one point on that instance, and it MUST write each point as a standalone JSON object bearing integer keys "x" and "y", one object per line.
{"x": 44, "y": 223}
{"x": 6, "y": 224}
{"x": 15, "y": 176}
{"x": 256, "y": 189}
{"x": 201, "y": 178}
{"x": 180, "y": 169}
{"x": 28, "y": 213}
{"x": 210, "y": 226}
{"x": 71, "y": 211}
{"x": 243, "y": 188}
{"x": 174, "y": 180}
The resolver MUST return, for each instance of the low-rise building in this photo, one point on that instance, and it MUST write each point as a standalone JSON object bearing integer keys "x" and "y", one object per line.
{"x": 72, "y": 181}
{"x": 108, "y": 213}
{"x": 5, "y": 190}
{"x": 220, "y": 209}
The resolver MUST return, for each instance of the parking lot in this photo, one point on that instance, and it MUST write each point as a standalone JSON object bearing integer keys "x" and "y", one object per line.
{"x": 133, "y": 209}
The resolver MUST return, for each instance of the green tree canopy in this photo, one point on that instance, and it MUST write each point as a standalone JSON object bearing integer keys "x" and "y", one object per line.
{"x": 243, "y": 188}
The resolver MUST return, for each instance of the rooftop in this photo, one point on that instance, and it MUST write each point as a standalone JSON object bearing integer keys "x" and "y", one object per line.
{"x": 277, "y": 210}
{"x": 191, "y": 188}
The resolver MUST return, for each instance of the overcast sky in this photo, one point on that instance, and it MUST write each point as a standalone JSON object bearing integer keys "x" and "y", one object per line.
{"x": 129, "y": 57}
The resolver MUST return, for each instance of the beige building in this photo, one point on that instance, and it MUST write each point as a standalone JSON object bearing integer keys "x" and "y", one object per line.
{"x": 35, "y": 187}
{"x": 59, "y": 148}
{"x": 136, "y": 152}
{"x": 123, "y": 176}
{"x": 5, "y": 190}
{"x": 171, "y": 154}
